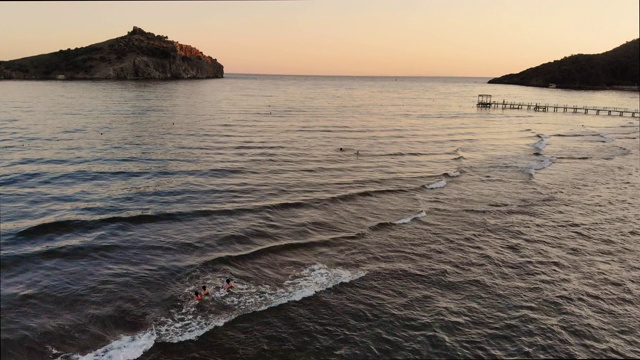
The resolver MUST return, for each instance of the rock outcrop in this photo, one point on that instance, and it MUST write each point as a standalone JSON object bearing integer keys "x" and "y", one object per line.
{"x": 137, "y": 55}
{"x": 618, "y": 68}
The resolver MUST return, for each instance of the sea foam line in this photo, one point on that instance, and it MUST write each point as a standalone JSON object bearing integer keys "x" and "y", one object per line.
{"x": 436, "y": 185}
{"x": 540, "y": 145}
{"x": 411, "y": 217}
{"x": 539, "y": 165}
{"x": 127, "y": 347}
{"x": 187, "y": 324}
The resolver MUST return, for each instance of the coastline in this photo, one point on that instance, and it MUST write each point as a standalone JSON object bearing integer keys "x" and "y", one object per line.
{"x": 566, "y": 87}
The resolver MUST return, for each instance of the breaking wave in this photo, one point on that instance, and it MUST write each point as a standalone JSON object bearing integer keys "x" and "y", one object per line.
{"x": 539, "y": 165}
{"x": 195, "y": 319}
{"x": 411, "y": 217}
{"x": 436, "y": 185}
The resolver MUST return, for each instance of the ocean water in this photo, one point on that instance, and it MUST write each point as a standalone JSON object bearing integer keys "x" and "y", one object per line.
{"x": 359, "y": 217}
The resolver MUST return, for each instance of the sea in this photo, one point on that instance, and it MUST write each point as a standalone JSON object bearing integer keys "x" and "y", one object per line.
{"x": 357, "y": 217}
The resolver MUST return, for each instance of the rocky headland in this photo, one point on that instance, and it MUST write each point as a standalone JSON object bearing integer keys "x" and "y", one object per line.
{"x": 618, "y": 69}
{"x": 137, "y": 55}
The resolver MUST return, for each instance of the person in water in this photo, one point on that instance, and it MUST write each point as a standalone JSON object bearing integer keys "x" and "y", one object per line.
{"x": 205, "y": 291}
{"x": 197, "y": 296}
{"x": 227, "y": 285}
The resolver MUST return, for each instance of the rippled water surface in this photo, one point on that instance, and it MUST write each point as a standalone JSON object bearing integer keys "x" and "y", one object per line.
{"x": 358, "y": 217}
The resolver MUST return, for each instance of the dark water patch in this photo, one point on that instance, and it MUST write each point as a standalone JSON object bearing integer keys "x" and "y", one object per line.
{"x": 85, "y": 175}
{"x": 340, "y": 131}
{"x": 260, "y": 147}
{"x": 409, "y": 154}
{"x": 580, "y": 134}
{"x": 39, "y": 161}
{"x": 74, "y": 131}
{"x": 69, "y": 226}
{"x": 279, "y": 248}
{"x": 573, "y": 157}
{"x": 367, "y": 193}
{"x": 79, "y": 225}
{"x": 381, "y": 226}
{"x": 20, "y": 178}
{"x": 259, "y": 235}
{"x": 507, "y": 211}
{"x": 75, "y": 252}
{"x": 246, "y": 236}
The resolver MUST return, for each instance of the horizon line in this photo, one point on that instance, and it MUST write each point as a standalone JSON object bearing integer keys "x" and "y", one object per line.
{"x": 347, "y": 75}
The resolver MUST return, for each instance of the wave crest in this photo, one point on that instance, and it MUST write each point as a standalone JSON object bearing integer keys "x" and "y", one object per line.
{"x": 436, "y": 185}
{"x": 411, "y": 217}
{"x": 539, "y": 165}
{"x": 190, "y": 322}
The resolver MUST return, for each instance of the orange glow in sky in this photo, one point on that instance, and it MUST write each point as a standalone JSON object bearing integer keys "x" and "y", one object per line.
{"x": 338, "y": 37}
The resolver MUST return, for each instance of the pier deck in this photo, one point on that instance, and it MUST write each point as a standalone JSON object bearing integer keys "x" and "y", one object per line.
{"x": 484, "y": 101}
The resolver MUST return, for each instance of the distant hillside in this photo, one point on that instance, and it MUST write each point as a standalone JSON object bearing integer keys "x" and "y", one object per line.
{"x": 137, "y": 55}
{"x": 615, "y": 69}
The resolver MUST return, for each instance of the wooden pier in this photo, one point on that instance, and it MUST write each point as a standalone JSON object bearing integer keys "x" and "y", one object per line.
{"x": 484, "y": 101}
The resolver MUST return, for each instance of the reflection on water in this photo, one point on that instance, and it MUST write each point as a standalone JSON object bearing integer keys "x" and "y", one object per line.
{"x": 363, "y": 217}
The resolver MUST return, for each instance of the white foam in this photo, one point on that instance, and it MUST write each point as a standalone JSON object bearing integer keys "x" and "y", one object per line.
{"x": 127, "y": 347}
{"x": 540, "y": 145}
{"x": 189, "y": 322}
{"x": 437, "y": 184}
{"x": 256, "y": 298}
{"x": 539, "y": 165}
{"x": 53, "y": 350}
{"x": 411, "y": 217}
{"x": 453, "y": 173}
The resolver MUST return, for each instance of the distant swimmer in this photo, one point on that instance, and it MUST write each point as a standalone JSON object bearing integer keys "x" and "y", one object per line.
{"x": 357, "y": 152}
{"x": 205, "y": 291}
{"x": 341, "y": 149}
{"x": 197, "y": 296}
{"x": 227, "y": 285}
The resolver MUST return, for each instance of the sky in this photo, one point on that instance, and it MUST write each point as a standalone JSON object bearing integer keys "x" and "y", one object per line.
{"x": 484, "y": 38}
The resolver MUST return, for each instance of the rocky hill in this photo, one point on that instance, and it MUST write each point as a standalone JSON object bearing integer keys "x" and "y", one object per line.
{"x": 137, "y": 55}
{"x": 615, "y": 69}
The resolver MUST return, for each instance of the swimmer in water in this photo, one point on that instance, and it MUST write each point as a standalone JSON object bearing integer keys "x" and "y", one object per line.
{"x": 197, "y": 296}
{"x": 205, "y": 291}
{"x": 227, "y": 285}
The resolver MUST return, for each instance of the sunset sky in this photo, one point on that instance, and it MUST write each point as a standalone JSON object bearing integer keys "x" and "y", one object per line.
{"x": 338, "y": 37}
